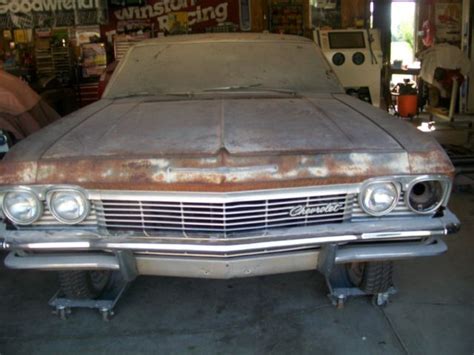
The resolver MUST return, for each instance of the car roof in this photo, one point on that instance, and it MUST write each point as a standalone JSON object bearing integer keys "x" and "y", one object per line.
{"x": 225, "y": 37}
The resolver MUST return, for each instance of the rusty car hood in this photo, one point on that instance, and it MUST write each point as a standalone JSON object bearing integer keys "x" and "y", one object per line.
{"x": 239, "y": 126}
{"x": 246, "y": 142}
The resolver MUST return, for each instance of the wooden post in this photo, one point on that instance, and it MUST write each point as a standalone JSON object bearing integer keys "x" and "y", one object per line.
{"x": 383, "y": 22}
{"x": 258, "y": 11}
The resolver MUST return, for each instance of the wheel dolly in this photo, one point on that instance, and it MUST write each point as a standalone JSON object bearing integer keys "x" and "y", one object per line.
{"x": 118, "y": 284}
{"x": 105, "y": 304}
{"x": 338, "y": 295}
{"x": 340, "y": 288}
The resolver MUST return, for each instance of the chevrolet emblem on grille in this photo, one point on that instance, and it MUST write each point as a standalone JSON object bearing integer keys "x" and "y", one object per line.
{"x": 301, "y": 210}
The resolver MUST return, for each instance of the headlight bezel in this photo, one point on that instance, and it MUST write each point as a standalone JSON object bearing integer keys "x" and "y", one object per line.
{"x": 445, "y": 185}
{"x": 49, "y": 200}
{"x": 8, "y": 214}
{"x": 364, "y": 188}
{"x": 406, "y": 183}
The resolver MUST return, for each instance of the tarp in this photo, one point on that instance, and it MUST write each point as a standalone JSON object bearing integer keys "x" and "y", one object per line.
{"x": 16, "y": 97}
{"x": 22, "y": 111}
{"x": 443, "y": 56}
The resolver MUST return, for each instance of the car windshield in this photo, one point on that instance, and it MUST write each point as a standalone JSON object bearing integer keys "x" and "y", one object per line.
{"x": 197, "y": 67}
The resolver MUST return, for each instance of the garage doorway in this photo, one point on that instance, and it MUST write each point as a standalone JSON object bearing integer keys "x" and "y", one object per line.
{"x": 403, "y": 44}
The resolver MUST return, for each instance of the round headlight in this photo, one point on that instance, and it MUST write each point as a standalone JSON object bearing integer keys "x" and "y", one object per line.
{"x": 379, "y": 198}
{"x": 22, "y": 207}
{"x": 69, "y": 207}
{"x": 425, "y": 196}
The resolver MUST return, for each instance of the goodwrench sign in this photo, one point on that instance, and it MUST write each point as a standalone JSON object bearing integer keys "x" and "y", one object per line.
{"x": 51, "y": 13}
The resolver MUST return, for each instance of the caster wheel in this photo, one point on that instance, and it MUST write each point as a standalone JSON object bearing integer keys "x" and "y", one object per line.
{"x": 63, "y": 312}
{"x": 380, "y": 300}
{"x": 340, "y": 302}
{"x": 106, "y": 314}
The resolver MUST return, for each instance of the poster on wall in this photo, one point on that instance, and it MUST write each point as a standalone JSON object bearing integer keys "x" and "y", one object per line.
{"x": 94, "y": 59}
{"x": 326, "y": 13}
{"x": 448, "y": 21}
{"x": 51, "y": 13}
{"x": 164, "y": 15}
{"x": 87, "y": 34}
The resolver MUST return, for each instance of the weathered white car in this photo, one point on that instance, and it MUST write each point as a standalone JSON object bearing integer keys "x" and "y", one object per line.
{"x": 221, "y": 156}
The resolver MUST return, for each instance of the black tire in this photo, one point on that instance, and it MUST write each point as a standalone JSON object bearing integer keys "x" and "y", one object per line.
{"x": 371, "y": 277}
{"x": 84, "y": 284}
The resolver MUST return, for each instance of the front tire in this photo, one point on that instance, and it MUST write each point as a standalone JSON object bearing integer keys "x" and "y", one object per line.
{"x": 371, "y": 277}
{"x": 84, "y": 284}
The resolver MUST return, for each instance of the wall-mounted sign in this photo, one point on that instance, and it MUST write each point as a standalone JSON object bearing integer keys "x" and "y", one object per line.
{"x": 448, "y": 21}
{"x": 51, "y": 13}
{"x": 200, "y": 14}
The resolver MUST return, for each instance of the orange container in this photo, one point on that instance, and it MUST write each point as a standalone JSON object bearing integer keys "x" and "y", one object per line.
{"x": 407, "y": 105}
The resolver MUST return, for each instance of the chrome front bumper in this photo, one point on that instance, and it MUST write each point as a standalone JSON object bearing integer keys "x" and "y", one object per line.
{"x": 212, "y": 268}
{"x": 276, "y": 252}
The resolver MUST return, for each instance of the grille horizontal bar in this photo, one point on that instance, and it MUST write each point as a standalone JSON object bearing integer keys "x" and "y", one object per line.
{"x": 219, "y": 230}
{"x": 191, "y": 221}
{"x": 154, "y": 217}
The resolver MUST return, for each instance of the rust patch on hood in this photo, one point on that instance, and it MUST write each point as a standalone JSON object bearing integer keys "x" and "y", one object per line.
{"x": 223, "y": 172}
{"x": 18, "y": 173}
{"x": 435, "y": 161}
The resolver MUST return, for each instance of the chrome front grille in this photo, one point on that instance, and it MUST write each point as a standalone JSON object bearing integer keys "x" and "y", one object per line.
{"x": 154, "y": 217}
{"x": 240, "y": 215}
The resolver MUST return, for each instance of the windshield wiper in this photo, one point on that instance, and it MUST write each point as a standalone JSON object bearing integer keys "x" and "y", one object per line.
{"x": 179, "y": 93}
{"x": 147, "y": 94}
{"x": 132, "y": 94}
{"x": 190, "y": 94}
{"x": 254, "y": 87}
{"x": 233, "y": 87}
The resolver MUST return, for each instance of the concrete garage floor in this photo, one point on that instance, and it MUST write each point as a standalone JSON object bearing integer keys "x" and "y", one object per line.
{"x": 433, "y": 313}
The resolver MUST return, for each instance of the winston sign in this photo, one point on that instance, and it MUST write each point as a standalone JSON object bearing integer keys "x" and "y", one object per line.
{"x": 50, "y": 13}
{"x": 199, "y": 13}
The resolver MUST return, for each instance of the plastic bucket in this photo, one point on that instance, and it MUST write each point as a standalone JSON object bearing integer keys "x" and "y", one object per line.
{"x": 407, "y": 105}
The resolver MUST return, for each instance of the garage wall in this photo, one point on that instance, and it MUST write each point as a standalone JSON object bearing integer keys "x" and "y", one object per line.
{"x": 352, "y": 10}
{"x": 260, "y": 10}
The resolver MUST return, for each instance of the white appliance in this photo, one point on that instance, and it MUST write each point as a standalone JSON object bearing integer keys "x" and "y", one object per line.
{"x": 356, "y": 58}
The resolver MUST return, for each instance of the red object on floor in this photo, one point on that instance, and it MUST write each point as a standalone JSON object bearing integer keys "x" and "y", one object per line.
{"x": 407, "y": 105}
